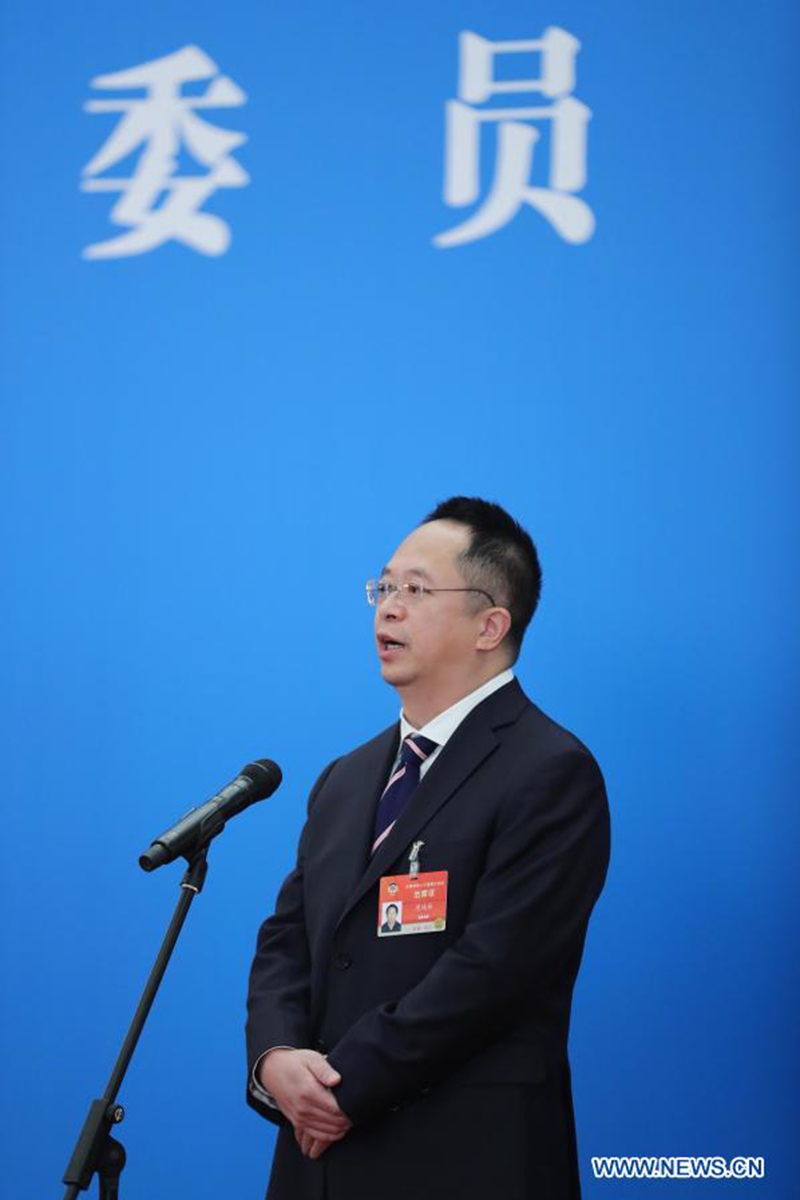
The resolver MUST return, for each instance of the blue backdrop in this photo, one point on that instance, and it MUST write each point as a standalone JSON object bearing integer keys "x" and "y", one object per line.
{"x": 207, "y": 453}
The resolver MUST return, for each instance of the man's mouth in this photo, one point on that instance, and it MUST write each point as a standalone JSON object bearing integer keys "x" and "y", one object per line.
{"x": 386, "y": 642}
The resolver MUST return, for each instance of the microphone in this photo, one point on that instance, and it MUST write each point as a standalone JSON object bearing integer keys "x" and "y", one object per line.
{"x": 254, "y": 782}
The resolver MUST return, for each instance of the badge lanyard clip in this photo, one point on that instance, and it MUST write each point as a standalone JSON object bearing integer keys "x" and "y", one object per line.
{"x": 413, "y": 859}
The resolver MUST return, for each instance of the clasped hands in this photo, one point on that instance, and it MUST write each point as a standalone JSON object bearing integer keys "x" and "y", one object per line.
{"x": 300, "y": 1082}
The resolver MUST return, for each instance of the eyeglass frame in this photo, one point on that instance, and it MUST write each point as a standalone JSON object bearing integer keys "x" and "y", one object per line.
{"x": 396, "y": 588}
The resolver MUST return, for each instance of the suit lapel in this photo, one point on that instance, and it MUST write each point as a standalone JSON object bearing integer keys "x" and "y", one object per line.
{"x": 472, "y": 743}
{"x": 355, "y": 832}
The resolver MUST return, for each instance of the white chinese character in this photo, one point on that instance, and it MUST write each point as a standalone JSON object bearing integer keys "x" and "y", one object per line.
{"x": 570, "y": 216}
{"x": 164, "y": 121}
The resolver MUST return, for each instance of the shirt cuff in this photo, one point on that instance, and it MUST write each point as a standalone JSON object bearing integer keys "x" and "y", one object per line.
{"x": 255, "y": 1087}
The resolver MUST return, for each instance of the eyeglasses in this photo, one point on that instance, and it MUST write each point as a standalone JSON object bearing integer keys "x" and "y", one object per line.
{"x": 379, "y": 590}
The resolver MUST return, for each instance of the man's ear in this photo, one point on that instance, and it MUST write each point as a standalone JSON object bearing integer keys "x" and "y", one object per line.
{"x": 495, "y": 626}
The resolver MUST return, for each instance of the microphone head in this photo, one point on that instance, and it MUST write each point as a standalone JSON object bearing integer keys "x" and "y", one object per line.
{"x": 265, "y": 776}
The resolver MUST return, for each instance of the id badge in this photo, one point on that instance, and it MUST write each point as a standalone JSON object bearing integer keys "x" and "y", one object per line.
{"x": 412, "y": 904}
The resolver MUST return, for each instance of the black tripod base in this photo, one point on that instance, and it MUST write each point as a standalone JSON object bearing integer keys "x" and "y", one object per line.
{"x": 109, "y": 1168}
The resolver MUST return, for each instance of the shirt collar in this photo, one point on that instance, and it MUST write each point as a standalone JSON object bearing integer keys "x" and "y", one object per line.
{"x": 443, "y": 726}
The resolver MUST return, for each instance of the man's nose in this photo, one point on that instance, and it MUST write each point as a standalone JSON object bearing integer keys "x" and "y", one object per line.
{"x": 392, "y": 606}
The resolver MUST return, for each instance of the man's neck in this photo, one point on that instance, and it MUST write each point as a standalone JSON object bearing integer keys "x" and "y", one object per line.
{"x": 420, "y": 706}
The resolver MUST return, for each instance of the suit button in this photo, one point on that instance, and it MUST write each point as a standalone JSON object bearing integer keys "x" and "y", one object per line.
{"x": 342, "y": 962}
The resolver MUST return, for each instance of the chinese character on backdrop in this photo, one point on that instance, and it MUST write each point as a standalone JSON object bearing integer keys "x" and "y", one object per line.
{"x": 516, "y": 140}
{"x": 159, "y": 203}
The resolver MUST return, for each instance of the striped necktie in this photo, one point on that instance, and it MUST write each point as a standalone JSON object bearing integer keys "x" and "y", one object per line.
{"x": 405, "y": 777}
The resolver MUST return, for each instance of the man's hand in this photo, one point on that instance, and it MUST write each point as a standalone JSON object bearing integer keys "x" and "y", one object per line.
{"x": 300, "y": 1081}
{"x": 311, "y": 1146}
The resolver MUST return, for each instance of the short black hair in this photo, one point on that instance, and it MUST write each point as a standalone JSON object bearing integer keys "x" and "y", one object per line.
{"x": 501, "y": 559}
{"x": 392, "y": 905}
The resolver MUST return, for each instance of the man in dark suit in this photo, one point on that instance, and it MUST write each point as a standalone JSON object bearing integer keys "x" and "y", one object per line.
{"x": 392, "y": 923}
{"x": 435, "y": 1063}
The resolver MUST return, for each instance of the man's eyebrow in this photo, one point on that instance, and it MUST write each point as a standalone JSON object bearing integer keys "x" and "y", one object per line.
{"x": 423, "y": 574}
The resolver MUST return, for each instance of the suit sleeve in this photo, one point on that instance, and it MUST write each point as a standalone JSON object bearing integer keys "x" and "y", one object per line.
{"x": 279, "y": 988}
{"x": 544, "y": 870}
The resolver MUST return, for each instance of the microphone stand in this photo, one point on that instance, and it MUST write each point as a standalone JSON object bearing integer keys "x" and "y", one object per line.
{"x": 96, "y": 1150}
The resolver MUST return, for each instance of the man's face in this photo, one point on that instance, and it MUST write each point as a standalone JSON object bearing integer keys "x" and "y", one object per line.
{"x": 432, "y": 638}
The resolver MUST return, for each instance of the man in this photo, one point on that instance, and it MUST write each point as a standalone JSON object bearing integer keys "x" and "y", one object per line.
{"x": 392, "y": 922}
{"x": 435, "y": 1062}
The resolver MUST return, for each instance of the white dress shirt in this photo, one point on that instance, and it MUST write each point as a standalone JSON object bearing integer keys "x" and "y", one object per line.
{"x": 440, "y": 729}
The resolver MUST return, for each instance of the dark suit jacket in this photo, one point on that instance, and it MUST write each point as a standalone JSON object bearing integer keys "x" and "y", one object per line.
{"x": 452, "y": 1046}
